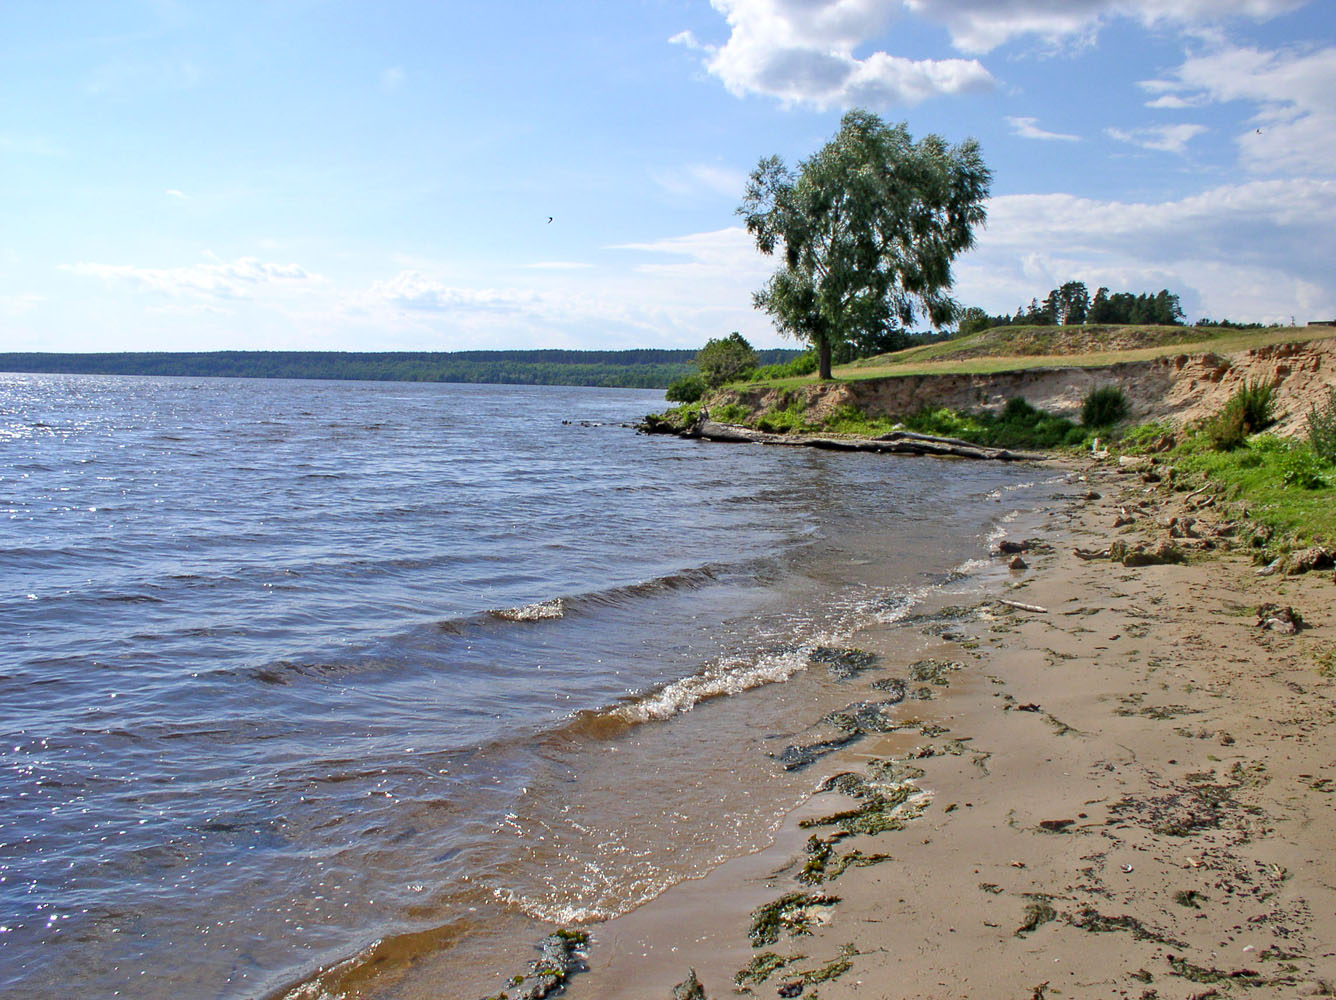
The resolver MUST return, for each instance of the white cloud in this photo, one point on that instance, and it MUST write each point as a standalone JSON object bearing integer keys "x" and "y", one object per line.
{"x": 983, "y": 25}
{"x": 727, "y": 252}
{"x": 392, "y": 79}
{"x": 702, "y": 177}
{"x": 1028, "y": 128}
{"x": 560, "y": 265}
{"x": 13, "y": 305}
{"x": 242, "y": 278}
{"x": 1294, "y": 128}
{"x": 1164, "y": 138}
{"x": 802, "y": 53}
{"x": 1256, "y": 251}
{"x": 176, "y": 193}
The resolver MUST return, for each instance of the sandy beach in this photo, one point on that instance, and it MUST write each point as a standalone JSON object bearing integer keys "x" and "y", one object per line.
{"x": 1118, "y": 784}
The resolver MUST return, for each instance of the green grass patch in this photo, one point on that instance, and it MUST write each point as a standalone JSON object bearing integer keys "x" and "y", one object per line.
{"x": 1281, "y": 484}
{"x": 1018, "y": 425}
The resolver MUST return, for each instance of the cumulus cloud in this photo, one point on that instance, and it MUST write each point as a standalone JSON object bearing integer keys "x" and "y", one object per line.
{"x": 802, "y": 53}
{"x": 1028, "y": 128}
{"x": 242, "y": 278}
{"x": 1294, "y": 127}
{"x": 1256, "y": 251}
{"x": 1164, "y": 138}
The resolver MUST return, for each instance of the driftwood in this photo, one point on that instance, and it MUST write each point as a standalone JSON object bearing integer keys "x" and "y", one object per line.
{"x": 1024, "y": 607}
{"x": 896, "y": 442}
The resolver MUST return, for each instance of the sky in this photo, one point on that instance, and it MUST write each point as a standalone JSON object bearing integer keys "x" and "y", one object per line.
{"x": 448, "y": 175}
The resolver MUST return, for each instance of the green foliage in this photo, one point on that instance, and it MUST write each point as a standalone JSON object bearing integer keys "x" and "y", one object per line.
{"x": 1018, "y": 425}
{"x": 1322, "y": 429}
{"x": 687, "y": 389}
{"x": 1146, "y": 438}
{"x": 1104, "y": 407}
{"x": 726, "y": 359}
{"x": 803, "y": 364}
{"x": 1283, "y": 484}
{"x": 868, "y": 227}
{"x": 1303, "y": 469}
{"x": 1072, "y": 305}
{"x": 730, "y": 413}
{"x": 788, "y": 417}
{"x": 1251, "y": 409}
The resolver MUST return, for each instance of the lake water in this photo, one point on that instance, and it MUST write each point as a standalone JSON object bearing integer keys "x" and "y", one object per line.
{"x": 292, "y": 668}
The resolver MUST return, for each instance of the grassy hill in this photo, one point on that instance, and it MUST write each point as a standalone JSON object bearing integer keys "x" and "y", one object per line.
{"x": 1016, "y": 348}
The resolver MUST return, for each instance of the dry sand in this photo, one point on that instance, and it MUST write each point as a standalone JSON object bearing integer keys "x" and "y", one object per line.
{"x": 1129, "y": 793}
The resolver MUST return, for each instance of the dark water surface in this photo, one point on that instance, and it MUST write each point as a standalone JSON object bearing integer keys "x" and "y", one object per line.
{"x": 289, "y": 668}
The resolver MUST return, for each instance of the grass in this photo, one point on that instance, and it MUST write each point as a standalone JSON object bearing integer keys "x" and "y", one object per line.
{"x": 1280, "y": 484}
{"x": 1020, "y": 348}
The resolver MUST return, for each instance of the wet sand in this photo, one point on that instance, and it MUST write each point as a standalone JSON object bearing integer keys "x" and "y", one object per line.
{"x": 1127, "y": 791}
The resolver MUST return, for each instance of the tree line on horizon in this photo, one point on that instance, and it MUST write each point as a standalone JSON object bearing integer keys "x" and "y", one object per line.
{"x": 646, "y": 368}
{"x": 1071, "y": 304}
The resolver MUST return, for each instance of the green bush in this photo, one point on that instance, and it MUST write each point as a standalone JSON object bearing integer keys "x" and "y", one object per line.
{"x": 730, "y": 413}
{"x": 1103, "y": 407}
{"x": 1018, "y": 425}
{"x": 1251, "y": 409}
{"x": 1322, "y": 430}
{"x": 1301, "y": 468}
{"x": 687, "y": 389}
{"x": 726, "y": 359}
{"x": 803, "y": 364}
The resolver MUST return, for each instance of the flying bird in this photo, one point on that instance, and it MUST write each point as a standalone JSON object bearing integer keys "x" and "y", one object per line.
{"x": 549, "y": 220}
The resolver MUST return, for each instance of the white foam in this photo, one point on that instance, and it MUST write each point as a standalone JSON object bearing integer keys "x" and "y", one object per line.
{"x": 532, "y": 612}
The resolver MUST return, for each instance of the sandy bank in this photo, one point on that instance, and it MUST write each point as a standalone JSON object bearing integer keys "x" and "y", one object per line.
{"x": 1179, "y": 387}
{"x": 1129, "y": 793}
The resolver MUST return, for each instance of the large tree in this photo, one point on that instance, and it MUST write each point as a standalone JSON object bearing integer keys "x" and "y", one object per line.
{"x": 868, "y": 227}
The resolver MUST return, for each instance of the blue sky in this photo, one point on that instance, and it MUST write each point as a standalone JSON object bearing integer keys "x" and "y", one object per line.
{"x": 318, "y": 174}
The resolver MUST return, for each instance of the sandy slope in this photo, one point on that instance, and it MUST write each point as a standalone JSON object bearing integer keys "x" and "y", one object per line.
{"x": 1134, "y": 796}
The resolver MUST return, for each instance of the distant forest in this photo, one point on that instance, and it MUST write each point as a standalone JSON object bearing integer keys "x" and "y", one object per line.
{"x": 637, "y": 369}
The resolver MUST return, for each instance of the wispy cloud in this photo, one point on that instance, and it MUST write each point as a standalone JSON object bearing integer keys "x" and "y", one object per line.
{"x": 1028, "y": 128}
{"x": 1162, "y": 138}
{"x": 392, "y": 79}
{"x": 242, "y": 278}
{"x": 983, "y": 25}
{"x": 1294, "y": 91}
{"x": 702, "y": 177}
{"x": 176, "y": 193}
{"x": 560, "y": 265}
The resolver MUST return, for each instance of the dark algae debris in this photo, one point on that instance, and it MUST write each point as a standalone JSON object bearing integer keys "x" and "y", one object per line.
{"x": 558, "y": 959}
{"x": 791, "y": 913}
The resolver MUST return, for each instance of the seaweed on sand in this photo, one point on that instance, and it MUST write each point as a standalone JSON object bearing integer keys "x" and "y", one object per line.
{"x": 791, "y": 913}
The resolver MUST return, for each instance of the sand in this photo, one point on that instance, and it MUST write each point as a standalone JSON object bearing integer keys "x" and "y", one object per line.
{"x": 1130, "y": 792}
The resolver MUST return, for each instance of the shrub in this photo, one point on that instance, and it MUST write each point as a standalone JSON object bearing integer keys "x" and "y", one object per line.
{"x": 1301, "y": 468}
{"x": 1257, "y": 401}
{"x": 726, "y": 359}
{"x": 687, "y": 389}
{"x": 1103, "y": 407}
{"x": 730, "y": 413}
{"x": 1252, "y": 408}
{"x": 1322, "y": 430}
{"x": 803, "y": 364}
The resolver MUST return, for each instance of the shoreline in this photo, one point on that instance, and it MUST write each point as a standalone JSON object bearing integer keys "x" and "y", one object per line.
{"x": 1126, "y": 793}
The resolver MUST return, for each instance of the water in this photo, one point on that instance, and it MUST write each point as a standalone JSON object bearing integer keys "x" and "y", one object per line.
{"x": 305, "y": 673}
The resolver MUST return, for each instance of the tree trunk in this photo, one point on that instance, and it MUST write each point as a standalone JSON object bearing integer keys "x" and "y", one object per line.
{"x": 823, "y": 359}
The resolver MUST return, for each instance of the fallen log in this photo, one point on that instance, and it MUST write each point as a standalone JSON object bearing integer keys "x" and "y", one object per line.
{"x": 896, "y": 442}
